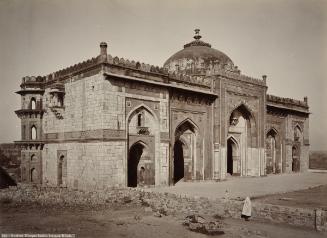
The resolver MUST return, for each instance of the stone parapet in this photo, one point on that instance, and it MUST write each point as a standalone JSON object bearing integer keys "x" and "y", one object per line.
{"x": 287, "y": 101}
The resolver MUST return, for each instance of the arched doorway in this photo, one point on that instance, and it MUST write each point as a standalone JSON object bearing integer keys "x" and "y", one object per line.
{"x": 60, "y": 170}
{"x": 184, "y": 164}
{"x": 140, "y": 166}
{"x": 271, "y": 148}
{"x": 178, "y": 161}
{"x": 33, "y": 175}
{"x": 232, "y": 157}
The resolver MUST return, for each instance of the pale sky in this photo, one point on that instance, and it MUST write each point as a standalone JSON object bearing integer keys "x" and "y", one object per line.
{"x": 284, "y": 39}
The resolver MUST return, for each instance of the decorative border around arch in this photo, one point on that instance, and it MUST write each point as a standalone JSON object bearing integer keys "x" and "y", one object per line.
{"x": 139, "y": 142}
{"x": 196, "y": 128}
{"x": 272, "y": 129}
{"x": 247, "y": 106}
{"x": 298, "y": 126}
{"x": 138, "y": 107}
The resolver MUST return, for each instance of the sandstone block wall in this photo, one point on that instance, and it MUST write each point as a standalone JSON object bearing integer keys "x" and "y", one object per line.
{"x": 89, "y": 165}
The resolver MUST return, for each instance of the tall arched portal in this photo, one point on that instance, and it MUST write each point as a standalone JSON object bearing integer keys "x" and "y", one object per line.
{"x": 241, "y": 138}
{"x": 184, "y": 165}
{"x": 143, "y": 160}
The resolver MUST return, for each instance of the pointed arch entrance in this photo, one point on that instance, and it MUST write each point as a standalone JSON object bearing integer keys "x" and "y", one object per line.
{"x": 140, "y": 166}
{"x": 184, "y": 160}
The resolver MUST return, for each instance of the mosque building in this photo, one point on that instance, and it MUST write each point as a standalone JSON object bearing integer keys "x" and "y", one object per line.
{"x": 112, "y": 121}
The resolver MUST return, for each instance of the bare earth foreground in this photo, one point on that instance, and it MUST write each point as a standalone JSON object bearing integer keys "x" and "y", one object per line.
{"x": 127, "y": 221}
{"x": 109, "y": 214}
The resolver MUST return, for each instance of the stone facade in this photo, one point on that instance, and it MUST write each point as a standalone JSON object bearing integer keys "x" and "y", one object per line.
{"x": 110, "y": 121}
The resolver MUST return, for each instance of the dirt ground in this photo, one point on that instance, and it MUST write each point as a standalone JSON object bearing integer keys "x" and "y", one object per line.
{"x": 308, "y": 198}
{"x": 127, "y": 221}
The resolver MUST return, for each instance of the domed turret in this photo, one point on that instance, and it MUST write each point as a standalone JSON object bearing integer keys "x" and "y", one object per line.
{"x": 198, "y": 57}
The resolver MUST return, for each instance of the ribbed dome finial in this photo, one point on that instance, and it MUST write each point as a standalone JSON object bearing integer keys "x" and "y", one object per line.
{"x": 197, "y": 35}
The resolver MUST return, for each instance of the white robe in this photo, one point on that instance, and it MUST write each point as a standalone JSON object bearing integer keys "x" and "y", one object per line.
{"x": 247, "y": 207}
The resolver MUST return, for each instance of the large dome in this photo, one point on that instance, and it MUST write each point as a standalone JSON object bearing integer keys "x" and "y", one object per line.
{"x": 197, "y": 57}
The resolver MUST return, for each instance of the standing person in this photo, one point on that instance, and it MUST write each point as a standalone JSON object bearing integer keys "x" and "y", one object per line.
{"x": 247, "y": 207}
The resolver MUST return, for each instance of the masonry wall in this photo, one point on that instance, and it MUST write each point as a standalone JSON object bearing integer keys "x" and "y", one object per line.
{"x": 93, "y": 120}
{"x": 89, "y": 165}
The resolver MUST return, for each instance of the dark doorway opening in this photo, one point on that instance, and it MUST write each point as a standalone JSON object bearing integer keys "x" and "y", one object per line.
{"x": 134, "y": 156}
{"x": 178, "y": 161}
{"x": 33, "y": 175}
{"x": 60, "y": 170}
{"x": 230, "y": 156}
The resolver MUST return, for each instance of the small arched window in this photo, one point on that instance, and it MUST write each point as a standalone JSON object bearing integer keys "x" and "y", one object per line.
{"x": 33, "y": 157}
{"x": 33, "y": 133}
{"x": 33, "y": 104}
{"x": 297, "y": 133}
{"x": 140, "y": 119}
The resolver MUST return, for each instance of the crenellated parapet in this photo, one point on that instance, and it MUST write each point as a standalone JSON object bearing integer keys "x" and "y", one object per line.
{"x": 72, "y": 69}
{"x": 238, "y": 76}
{"x": 32, "y": 82}
{"x": 285, "y": 105}
{"x": 287, "y": 101}
{"x": 135, "y": 65}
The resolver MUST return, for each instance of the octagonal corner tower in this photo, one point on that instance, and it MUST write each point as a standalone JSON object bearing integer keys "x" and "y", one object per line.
{"x": 198, "y": 57}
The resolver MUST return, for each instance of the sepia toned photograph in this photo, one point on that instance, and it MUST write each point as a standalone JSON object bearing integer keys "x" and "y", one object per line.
{"x": 153, "y": 118}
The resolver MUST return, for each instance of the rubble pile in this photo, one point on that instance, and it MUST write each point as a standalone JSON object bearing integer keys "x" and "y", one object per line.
{"x": 64, "y": 197}
{"x": 161, "y": 204}
{"x": 199, "y": 224}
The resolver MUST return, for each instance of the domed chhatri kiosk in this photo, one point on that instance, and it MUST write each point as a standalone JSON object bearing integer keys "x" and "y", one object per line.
{"x": 112, "y": 121}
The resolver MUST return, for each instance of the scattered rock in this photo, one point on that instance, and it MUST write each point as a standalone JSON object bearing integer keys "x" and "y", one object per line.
{"x": 157, "y": 214}
{"x": 127, "y": 199}
{"x": 195, "y": 219}
{"x": 163, "y": 211}
{"x": 198, "y": 224}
